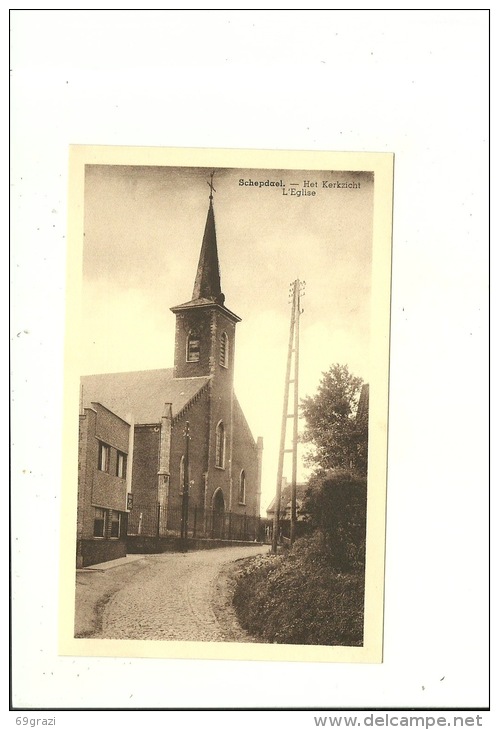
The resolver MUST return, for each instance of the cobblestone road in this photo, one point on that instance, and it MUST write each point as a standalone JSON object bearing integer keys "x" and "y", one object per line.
{"x": 174, "y": 597}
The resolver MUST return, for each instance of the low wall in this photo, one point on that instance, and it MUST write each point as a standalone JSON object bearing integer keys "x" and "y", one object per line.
{"x": 148, "y": 545}
{"x": 92, "y": 552}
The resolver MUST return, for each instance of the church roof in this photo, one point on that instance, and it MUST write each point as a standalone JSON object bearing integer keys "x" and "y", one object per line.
{"x": 142, "y": 394}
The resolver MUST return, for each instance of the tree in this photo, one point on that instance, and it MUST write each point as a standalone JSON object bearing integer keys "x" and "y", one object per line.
{"x": 336, "y": 505}
{"x": 332, "y": 426}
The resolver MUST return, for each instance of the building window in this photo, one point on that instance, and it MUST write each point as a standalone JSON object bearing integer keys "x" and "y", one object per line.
{"x": 220, "y": 446}
{"x": 193, "y": 347}
{"x": 224, "y": 350}
{"x": 115, "y": 530}
{"x": 104, "y": 453}
{"x": 99, "y": 522}
{"x": 121, "y": 465}
{"x": 242, "y": 487}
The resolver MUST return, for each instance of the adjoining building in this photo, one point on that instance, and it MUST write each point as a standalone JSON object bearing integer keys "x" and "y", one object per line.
{"x": 103, "y": 468}
{"x": 196, "y": 394}
{"x": 285, "y": 506}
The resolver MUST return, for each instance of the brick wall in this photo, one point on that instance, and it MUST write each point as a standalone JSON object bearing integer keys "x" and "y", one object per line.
{"x": 145, "y": 465}
{"x": 108, "y": 489}
{"x": 196, "y": 321}
{"x": 244, "y": 457}
{"x": 95, "y": 551}
{"x": 97, "y": 488}
{"x": 85, "y": 479}
{"x": 198, "y": 417}
{"x": 221, "y": 410}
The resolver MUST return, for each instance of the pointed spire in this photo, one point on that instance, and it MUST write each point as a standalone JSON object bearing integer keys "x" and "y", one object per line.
{"x": 207, "y": 289}
{"x": 207, "y": 282}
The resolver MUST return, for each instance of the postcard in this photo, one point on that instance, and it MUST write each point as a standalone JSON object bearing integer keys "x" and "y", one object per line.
{"x": 226, "y": 404}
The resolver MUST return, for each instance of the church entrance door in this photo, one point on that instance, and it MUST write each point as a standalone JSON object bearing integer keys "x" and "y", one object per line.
{"x": 218, "y": 514}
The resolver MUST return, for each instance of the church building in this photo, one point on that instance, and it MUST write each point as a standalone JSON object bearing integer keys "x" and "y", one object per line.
{"x": 188, "y": 414}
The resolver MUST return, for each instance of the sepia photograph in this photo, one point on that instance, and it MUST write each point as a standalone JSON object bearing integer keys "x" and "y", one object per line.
{"x": 249, "y": 288}
{"x": 226, "y": 456}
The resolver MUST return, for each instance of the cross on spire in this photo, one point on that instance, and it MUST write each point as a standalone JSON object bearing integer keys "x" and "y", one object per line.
{"x": 211, "y": 185}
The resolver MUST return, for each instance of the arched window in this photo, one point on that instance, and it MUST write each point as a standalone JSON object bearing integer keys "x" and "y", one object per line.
{"x": 192, "y": 350}
{"x": 242, "y": 487}
{"x": 220, "y": 446}
{"x": 224, "y": 350}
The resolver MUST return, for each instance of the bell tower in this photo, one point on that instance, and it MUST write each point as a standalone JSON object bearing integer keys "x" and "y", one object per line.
{"x": 205, "y": 328}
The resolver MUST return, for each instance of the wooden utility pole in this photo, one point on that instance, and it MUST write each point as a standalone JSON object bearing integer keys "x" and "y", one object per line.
{"x": 296, "y": 291}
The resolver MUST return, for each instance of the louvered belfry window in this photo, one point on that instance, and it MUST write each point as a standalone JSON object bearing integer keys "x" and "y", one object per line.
{"x": 193, "y": 347}
{"x": 224, "y": 350}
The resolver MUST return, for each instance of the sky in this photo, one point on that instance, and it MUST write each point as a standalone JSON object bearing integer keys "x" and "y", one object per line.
{"x": 143, "y": 233}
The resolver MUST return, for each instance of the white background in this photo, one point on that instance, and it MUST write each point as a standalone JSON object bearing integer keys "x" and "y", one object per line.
{"x": 410, "y": 82}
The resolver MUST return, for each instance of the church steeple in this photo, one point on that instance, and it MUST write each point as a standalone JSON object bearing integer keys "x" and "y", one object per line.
{"x": 205, "y": 331}
{"x": 207, "y": 282}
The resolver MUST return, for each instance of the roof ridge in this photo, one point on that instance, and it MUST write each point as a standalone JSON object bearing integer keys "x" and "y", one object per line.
{"x": 191, "y": 400}
{"x": 194, "y": 377}
{"x": 125, "y": 372}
